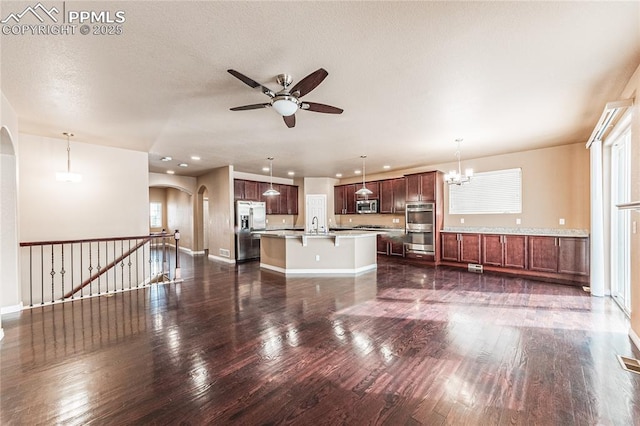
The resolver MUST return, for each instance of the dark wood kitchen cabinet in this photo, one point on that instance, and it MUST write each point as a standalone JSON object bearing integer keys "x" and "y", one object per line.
{"x": 421, "y": 186}
{"x": 292, "y": 200}
{"x": 565, "y": 255}
{"x": 245, "y": 190}
{"x": 344, "y": 198}
{"x": 389, "y": 246}
{"x": 285, "y": 203}
{"x": 460, "y": 247}
{"x": 509, "y": 251}
{"x": 392, "y": 195}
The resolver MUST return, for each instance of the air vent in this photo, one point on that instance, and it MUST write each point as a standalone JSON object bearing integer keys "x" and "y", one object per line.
{"x": 225, "y": 253}
{"x": 629, "y": 364}
{"x": 474, "y": 267}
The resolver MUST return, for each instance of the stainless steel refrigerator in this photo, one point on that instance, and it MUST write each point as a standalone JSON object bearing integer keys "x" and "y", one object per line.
{"x": 250, "y": 216}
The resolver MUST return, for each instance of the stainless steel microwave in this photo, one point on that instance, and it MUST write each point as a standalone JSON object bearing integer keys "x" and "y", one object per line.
{"x": 366, "y": 206}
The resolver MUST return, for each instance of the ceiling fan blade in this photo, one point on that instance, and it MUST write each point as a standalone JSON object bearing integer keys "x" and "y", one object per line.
{"x": 248, "y": 107}
{"x": 327, "y": 109}
{"x": 290, "y": 120}
{"x": 252, "y": 83}
{"x": 310, "y": 82}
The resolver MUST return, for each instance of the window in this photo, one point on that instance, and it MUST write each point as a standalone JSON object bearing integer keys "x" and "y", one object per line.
{"x": 155, "y": 215}
{"x": 496, "y": 192}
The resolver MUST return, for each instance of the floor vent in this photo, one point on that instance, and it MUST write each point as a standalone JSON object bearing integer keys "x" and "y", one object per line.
{"x": 225, "y": 253}
{"x": 474, "y": 267}
{"x": 630, "y": 364}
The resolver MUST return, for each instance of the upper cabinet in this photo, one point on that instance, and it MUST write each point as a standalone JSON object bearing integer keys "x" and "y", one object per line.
{"x": 344, "y": 198}
{"x": 392, "y": 195}
{"x": 285, "y": 203}
{"x": 421, "y": 186}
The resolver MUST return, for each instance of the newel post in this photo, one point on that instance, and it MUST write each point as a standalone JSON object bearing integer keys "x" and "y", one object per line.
{"x": 176, "y": 236}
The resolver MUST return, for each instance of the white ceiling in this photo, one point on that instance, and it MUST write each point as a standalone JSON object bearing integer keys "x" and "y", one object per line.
{"x": 411, "y": 78}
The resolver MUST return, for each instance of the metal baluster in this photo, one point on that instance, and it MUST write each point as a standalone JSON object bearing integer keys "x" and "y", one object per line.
{"x": 41, "y": 274}
{"x": 115, "y": 270}
{"x": 30, "y": 275}
{"x": 81, "y": 268}
{"x": 90, "y": 272}
{"x": 99, "y": 267}
{"x": 106, "y": 260}
{"x": 72, "y": 276}
{"x": 52, "y": 273}
{"x": 129, "y": 262}
{"x": 122, "y": 263}
{"x": 62, "y": 272}
{"x": 137, "y": 265}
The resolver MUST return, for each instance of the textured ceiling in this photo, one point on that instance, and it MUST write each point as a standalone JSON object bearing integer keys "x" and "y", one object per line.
{"x": 411, "y": 78}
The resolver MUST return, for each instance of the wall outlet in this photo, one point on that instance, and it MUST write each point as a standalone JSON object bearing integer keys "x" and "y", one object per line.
{"x": 317, "y": 258}
{"x": 462, "y": 220}
{"x": 350, "y": 220}
{"x": 266, "y": 220}
{"x": 561, "y": 221}
{"x": 518, "y": 221}
{"x": 283, "y": 221}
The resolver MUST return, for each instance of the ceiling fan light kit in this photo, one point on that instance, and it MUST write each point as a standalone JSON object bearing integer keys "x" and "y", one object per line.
{"x": 287, "y": 101}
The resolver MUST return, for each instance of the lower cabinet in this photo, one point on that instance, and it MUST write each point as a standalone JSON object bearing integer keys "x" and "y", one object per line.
{"x": 389, "y": 246}
{"x": 507, "y": 251}
{"x": 559, "y": 259}
{"x": 463, "y": 248}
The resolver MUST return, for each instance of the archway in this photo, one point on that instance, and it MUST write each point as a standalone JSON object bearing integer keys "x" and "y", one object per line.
{"x": 10, "y": 293}
{"x": 202, "y": 221}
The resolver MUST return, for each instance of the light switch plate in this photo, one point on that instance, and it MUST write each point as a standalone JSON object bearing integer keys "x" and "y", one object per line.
{"x": 462, "y": 220}
{"x": 518, "y": 221}
{"x": 561, "y": 221}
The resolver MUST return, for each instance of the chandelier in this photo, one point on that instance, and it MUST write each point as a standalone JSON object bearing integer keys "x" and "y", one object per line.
{"x": 455, "y": 177}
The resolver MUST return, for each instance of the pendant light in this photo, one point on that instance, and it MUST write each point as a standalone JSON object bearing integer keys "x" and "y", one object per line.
{"x": 271, "y": 191}
{"x": 456, "y": 177}
{"x": 68, "y": 176}
{"x": 364, "y": 190}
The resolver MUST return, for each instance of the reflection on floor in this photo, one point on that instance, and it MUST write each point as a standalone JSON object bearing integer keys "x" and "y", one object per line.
{"x": 400, "y": 345}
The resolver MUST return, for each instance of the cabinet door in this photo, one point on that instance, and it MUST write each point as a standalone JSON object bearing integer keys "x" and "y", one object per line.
{"x": 238, "y": 189}
{"x": 543, "y": 254}
{"x": 350, "y": 198}
{"x": 449, "y": 246}
{"x": 381, "y": 245}
{"x": 470, "y": 248}
{"x": 573, "y": 255}
{"x": 338, "y": 199}
{"x": 412, "y": 187}
{"x": 428, "y": 186}
{"x": 399, "y": 195}
{"x": 492, "y": 250}
{"x": 515, "y": 251}
{"x": 396, "y": 248}
{"x": 386, "y": 196}
{"x": 283, "y": 199}
{"x": 292, "y": 200}
{"x": 251, "y": 190}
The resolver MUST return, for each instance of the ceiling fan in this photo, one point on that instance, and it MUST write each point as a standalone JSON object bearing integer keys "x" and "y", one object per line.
{"x": 287, "y": 101}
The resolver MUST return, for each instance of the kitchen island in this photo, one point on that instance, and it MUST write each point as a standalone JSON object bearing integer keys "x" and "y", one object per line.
{"x": 339, "y": 253}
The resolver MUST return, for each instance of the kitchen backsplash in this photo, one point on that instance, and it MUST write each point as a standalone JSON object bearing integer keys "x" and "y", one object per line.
{"x": 384, "y": 220}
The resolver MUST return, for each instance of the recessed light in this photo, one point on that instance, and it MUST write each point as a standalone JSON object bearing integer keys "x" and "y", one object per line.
{"x": 170, "y": 172}
{"x": 183, "y": 165}
{"x": 386, "y": 166}
{"x": 265, "y": 169}
{"x": 166, "y": 159}
{"x": 357, "y": 172}
{"x": 338, "y": 174}
{"x": 195, "y": 158}
{"x": 291, "y": 173}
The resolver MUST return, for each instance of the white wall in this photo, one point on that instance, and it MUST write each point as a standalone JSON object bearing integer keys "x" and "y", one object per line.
{"x": 111, "y": 201}
{"x": 9, "y": 266}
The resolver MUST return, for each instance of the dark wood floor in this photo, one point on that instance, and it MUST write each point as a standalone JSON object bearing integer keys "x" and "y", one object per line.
{"x": 401, "y": 345}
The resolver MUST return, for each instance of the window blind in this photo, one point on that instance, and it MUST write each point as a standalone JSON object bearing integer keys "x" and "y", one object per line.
{"x": 495, "y": 192}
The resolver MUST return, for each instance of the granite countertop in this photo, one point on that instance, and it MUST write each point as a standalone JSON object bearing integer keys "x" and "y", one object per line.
{"x": 551, "y": 232}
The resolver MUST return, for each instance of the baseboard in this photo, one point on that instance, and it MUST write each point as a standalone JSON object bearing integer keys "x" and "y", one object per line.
{"x": 634, "y": 338}
{"x": 290, "y": 271}
{"x": 222, "y": 259}
{"x": 11, "y": 309}
{"x": 1, "y": 333}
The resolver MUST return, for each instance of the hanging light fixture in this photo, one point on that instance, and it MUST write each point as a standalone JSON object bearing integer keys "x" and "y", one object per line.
{"x": 456, "y": 177}
{"x": 271, "y": 191}
{"x": 68, "y": 176}
{"x": 364, "y": 190}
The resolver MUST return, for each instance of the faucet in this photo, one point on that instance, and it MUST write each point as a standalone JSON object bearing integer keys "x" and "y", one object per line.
{"x": 315, "y": 221}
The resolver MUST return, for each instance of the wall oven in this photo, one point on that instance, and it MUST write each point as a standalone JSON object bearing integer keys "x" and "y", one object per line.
{"x": 419, "y": 220}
